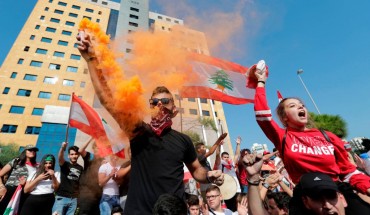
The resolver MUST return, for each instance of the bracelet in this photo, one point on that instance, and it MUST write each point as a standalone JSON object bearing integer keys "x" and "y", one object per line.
{"x": 266, "y": 185}
{"x": 261, "y": 82}
{"x": 91, "y": 58}
{"x": 253, "y": 183}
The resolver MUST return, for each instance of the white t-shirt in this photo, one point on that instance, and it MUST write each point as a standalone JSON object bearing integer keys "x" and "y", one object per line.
{"x": 111, "y": 187}
{"x": 226, "y": 212}
{"x": 230, "y": 172}
{"x": 43, "y": 187}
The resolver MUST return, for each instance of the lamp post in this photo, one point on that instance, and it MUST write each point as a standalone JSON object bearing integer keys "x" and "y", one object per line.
{"x": 300, "y": 71}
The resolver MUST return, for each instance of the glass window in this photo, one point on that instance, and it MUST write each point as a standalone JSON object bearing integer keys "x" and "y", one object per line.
{"x": 82, "y": 84}
{"x": 50, "y": 1}
{"x": 193, "y": 111}
{"x": 1, "y": 105}
{"x": 87, "y": 17}
{"x": 9, "y": 128}
{"x": 133, "y": 24}
{"x": 134, "y": 9}
{"x": 58, "y": 11}
{"x": 216, "y": 113}
{"x": 68, "y": 33}
{"x": 75, "y": 57}
{"x": 42, "y": 17}
{"x": 76, "y": 7}
{"x": 37, "y": 111}
{"x": 46, "y": 40}
{"x": 23, "y": 92}
{"x": 73, "y": 15}
{"x": 205, "y": 113}
{"x": 30, "y": 77}
{"x": 62, "y": 3}
{"x": 6, "y": 90}
{"x": 64, "y": 97}
{"x": 20, "y": 61}
{"x": 54, "y": 20}
{"x": 46, "y": 9}
{"x": 67, "y": 82}
{"x": 89, "y": 10}
{"x": 159, "y": 17}
{"x": 62, "y": 43}
{"x": 13, "y": 75}
{"x": 50, "y": 80}
{"x": 52, "y": 30}
{"x": 16, "y": 109}
{"x": 58, "y": 54}
{"x": 191, "y": 99}
{"x": 177, "y": 21}
{"x": 203, "y": 101}
{"x": 36, "y": 63}
{"x": 41, "y": 51}
{"x": 75, "y": 45}
{"x": 54, "y": 66}
{"x": 32, "y": 130}
{"x": 134, "y": 16}
{"x": 104, "y": 3}
{"x": 32, "y": 37}
{"x": 37, "y": 27}
{"x": 70, "y": 23}
{"x": 44, "y": 95}
{"x": 26, "y": 48}
{"x": 97, "y": 20}
{"x": 72, "y": 69}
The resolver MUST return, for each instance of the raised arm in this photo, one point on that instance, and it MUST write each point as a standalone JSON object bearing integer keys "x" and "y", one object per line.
{"x": 218, "y": 143}
{"x": 61, "y": 154}
{"x": 237, "y": 150}
{"x": 82, "y": 149}
{"x": 203, "y": 176}
{"x": 217, "y": 158}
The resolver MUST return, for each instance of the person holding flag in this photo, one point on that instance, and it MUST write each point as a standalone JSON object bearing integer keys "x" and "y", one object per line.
{"x": 158, "y": 151}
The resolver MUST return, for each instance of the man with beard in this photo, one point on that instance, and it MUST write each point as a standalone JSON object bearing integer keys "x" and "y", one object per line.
{"x": 158, "y": 152}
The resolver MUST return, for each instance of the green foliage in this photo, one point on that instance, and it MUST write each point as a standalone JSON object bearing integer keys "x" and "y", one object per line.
{"x": 8, "y": 152}
{"x": 332, "y": 123}
{"x": 221, "y": 78}
{"x": 208, "y": 123}
{"x": 193, "y": 136}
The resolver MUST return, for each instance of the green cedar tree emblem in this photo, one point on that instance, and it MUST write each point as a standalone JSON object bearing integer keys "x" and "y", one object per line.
{"x": 221, "y": 79}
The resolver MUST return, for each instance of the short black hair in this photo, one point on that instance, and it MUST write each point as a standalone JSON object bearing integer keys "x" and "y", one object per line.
{"x": 74, "y": 148}
{"x": 281, "y": 199}
{"x": 198, "y": 145}
{"x": 117, "y": 209}
{"x": 193, "y": 200}
{"x": 224, "y": 153}
{"x": 170, "y": 204}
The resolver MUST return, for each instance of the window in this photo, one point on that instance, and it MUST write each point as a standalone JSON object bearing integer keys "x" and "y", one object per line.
{"x": 75, "y": 57}
{"x": 50, "y": 80}
{"x": 168, "y": 19}
{"x": 16, "y": 109}
{"x": 73, "y": 15}
{"x": 75, "y": 45}
{"x": 9, "y": 128}
{"x": 37, "y": 27}
{"x": 37, "y": 111}
{"x": 133, "y": 24}
{"x": 94, "y": 0}
{"x": 62, "y": 3}
{"x": 32, "y": 130}
{"x": 128, "y": 50}
{"x": 30, "y": 77}
{"x": 36, "y": 63}
{"x": 99, "y": 12}
{"x": 72, "y": 69}
{"x": 134, "y": 16}
{"x": 177, "y": 21}
{"x": 203, "y": 101}
{"x": 54, "y": 20}
{"x": 58, "y": 54}
{"x": 67, "y": 82}
{"x": 70, "y": 23}
{"x": 104, "y": 3}
{"x": 20, "y": 61}
{"x": 62, "y": 43}
{"x": 46, "y": 40}
{"x": 58, "y": 11}
{"x": 97, "y": 20}
{"x": 68, "y": 33}
{"x": 46, "y": 9}
{"x": 44, "y": 95}
{"x": 1, "y": 105}
{"x": 159, "y": 17}
{"x": 87, "y": 17}
{"x": 50, "y": 1}
{"x": 193, "y": 111}
{"x": 64, "y": 97}
{"x": 41, "y": 51}
{"x": 13, "y": 75}
{"x": 191, "y": 99}
{"x": 76, "y": 7}
{"x": 216, "y": 113}
{"x": 89, "y": 10}
{"x": 52, "y": 30}
{"x": 6, "y": 90}
{"x": 54, "y": 66}
{"x": 82, "y": 84}
{"x": 32, "y": 37}
{"x": 42, "y": 17}
{"x": 134, "y": 9}
{"x": 23, "y": 92}
{"x": 205, "y": 113}
{"x": 26, "y": 48}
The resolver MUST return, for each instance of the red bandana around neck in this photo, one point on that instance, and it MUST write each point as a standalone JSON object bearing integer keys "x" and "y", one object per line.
{"x": 161, "y": 121}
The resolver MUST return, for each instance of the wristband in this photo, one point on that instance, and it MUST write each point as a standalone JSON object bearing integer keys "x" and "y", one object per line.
{"x": 253, "y": 183}
{"x": 91, "y": 58}
{"x": 261, "y": 82}
{"x": 266, "y": 185}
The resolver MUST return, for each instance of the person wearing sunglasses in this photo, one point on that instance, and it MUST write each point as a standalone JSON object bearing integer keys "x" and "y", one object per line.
{"x": 158, "y": 152}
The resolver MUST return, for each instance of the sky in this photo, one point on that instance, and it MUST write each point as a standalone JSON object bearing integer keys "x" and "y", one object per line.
{"x": 329, "y": 40}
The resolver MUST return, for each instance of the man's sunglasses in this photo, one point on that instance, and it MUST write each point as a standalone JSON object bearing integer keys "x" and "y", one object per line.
{"x": 164, "y": 101}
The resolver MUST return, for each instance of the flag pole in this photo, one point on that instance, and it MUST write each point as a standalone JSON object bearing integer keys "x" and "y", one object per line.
{"x": 69, "y": 117}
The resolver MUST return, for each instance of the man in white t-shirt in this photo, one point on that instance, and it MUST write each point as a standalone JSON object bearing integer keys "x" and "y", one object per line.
{"x": 107, "y": 177}
{"x": 214, "y": 201}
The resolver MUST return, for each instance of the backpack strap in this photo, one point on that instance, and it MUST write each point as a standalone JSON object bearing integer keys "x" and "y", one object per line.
{"x": 283, "y": 143}
{"x": 327, "y": 138}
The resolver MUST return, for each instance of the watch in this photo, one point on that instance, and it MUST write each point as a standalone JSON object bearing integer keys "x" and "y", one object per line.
{"x": 266, "y": 185}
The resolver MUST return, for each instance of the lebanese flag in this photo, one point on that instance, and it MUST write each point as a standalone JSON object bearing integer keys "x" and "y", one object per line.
{"x": 219, "y": 80}
{"x": 13, "y": 205}
{"x": 87, "y": 120}
{"x": 280, "y": 97}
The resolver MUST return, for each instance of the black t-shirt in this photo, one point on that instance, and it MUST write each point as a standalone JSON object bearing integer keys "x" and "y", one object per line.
{"x": 157, "y": 168}
{"x": 203, "y": 161}
{"x": 69, "y": 178}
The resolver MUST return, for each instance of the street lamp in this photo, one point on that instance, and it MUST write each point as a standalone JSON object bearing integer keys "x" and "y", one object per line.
{"x": 300, "y": 71}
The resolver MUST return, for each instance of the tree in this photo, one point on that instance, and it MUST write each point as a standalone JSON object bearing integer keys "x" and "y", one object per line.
{"x": 8, "y": 152}
{"x": 332, "y": 123}
{"x": 221, "y": 79}
{"x": 195, "y": 138}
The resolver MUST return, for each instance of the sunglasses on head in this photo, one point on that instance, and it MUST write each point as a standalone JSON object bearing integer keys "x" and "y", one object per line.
{"x": 155, "y": 101}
